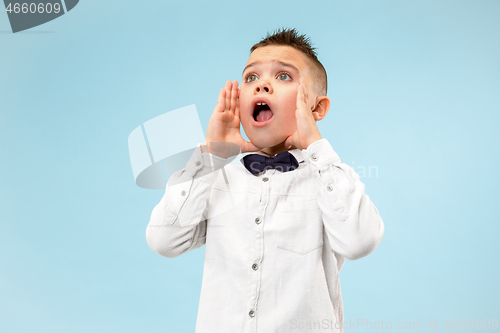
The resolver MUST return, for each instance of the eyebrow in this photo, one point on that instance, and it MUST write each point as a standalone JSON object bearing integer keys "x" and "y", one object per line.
{"x": 274, "y": 61}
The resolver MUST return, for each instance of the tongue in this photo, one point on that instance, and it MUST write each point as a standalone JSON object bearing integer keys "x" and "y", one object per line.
{"x": 264, "y": 115}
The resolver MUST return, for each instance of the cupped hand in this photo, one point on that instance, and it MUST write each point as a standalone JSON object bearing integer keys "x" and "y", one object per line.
{"x": 307, "y": 131}
{"x": 224, "y": 124}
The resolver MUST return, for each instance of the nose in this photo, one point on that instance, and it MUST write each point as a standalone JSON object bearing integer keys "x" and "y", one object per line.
{"x": 263, "y": 86}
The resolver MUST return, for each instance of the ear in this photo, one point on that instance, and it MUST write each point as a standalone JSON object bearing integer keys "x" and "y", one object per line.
{"x": 322, "y": 107}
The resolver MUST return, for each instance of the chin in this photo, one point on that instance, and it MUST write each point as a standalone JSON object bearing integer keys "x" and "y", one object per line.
{"x": 264, "y": 138}
{"x": 263, "y": 143}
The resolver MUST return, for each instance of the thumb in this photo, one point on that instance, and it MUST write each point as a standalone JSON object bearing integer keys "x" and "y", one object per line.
{"x": 249, "y": 147}
{"x": 289, "y": 142}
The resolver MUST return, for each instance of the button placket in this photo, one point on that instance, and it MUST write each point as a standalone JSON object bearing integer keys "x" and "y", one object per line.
{"x": 258, "y": 245}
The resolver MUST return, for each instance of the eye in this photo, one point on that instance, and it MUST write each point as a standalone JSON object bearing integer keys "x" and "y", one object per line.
{"x": 251, "y": 78}
{"x": 283, "y": 76}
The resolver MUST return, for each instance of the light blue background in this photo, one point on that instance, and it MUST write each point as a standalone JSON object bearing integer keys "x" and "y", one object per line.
{"x": 415, "y": 92}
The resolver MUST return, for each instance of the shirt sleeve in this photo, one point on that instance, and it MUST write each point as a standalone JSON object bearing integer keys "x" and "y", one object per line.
{"x": 352, "y": 222}
{"x": 177, "y": 223}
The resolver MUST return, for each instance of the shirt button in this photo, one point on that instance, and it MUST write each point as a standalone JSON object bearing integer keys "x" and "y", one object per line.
{"x": 265, "y": 179}
{"x": 314, "y": 158}
{"x": 197, "y": 163}
{"x": 251, "y": 313}
{"x": 329, "y": 188}
{"x": 255, "y": 267}
{"x": 183, "y": 193}
{"x": 257, "y": 220}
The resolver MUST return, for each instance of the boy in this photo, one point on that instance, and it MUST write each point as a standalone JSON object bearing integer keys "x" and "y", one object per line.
{"x": 277, "y": 224}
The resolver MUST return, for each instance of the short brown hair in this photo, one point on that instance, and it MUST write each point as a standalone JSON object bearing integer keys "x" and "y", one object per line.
{"x": 291, "y": 37}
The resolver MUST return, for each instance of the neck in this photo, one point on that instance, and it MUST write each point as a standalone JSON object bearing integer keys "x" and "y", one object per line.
{"x": 274, "y": 150}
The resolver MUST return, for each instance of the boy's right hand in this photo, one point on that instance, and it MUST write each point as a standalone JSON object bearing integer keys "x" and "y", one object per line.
{"x": 224, "y": 125}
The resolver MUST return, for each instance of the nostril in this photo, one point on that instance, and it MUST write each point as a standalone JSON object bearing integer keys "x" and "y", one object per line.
{"x": 258, "y": 89}
{"x": 266, "y": 89}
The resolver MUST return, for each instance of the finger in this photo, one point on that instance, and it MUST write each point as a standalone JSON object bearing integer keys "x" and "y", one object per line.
{"x": 300, "y": 97}
{"x": 304, "y": 90}
{"x": 228, "y": 95}
{"x": 221, "y": 100}
{"x": 237, "y": 108}
{"x": 234, "y": 95}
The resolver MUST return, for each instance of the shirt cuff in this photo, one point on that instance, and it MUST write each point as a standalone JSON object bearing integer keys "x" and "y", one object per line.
{"x": 201, "y": 164}
{"x": 321, "y": 154}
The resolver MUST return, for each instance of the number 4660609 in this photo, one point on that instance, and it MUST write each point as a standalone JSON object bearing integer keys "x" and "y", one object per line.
{"x": 33, "y": 8}
{"x": 471, "y": 324}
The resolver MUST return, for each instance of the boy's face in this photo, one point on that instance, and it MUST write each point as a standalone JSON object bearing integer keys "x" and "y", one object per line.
{"x": 271, "y": 76}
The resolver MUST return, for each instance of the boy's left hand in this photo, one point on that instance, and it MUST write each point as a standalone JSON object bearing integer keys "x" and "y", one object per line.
{"x": 307, "y": 131}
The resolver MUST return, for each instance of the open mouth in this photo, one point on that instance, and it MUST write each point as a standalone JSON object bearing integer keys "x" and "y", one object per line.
{"x": 262, "y": 112}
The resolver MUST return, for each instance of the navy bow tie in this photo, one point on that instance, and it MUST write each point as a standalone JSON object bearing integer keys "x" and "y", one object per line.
{"x": 284, "y": 162}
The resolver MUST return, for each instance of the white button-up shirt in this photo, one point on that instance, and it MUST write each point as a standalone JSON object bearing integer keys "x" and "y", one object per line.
{"x": 275, "y": 242}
